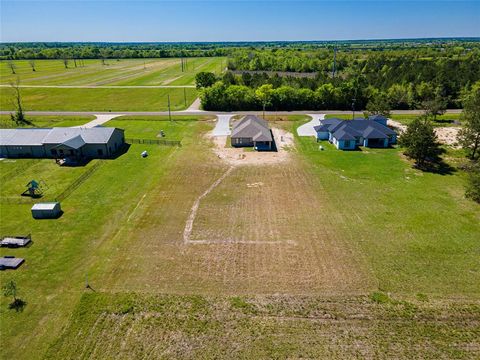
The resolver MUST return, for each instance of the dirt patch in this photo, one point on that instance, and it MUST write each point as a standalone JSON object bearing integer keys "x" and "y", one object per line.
{"x": 241, "y": 156}
{"x": 446, "y": 135}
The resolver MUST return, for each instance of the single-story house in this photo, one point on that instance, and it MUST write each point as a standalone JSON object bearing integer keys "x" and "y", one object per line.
{"x": 252, "y": 131}
{"x": 64, "y": 142}
{"x": 349, "y": 134}
{"x": 46, "y": 210}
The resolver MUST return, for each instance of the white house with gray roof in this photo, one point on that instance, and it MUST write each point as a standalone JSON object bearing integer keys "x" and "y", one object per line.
{"x": 63, "y": 142}
{"x": 251, "y": 131}
{"x": 349, "y": 134}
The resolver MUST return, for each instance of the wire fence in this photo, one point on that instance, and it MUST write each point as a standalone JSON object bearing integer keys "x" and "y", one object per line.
{"x": 154, "y": 142}
{"x": 79, "y": 181}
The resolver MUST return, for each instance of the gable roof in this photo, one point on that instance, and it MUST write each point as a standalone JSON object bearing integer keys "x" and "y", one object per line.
{"x": 343, "y": 134}
{"x": 75, "y": 143}
{"x": 252, "y": 127}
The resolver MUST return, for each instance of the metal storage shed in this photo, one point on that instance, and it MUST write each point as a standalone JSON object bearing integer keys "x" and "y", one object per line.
{"x": 47, "y": 210}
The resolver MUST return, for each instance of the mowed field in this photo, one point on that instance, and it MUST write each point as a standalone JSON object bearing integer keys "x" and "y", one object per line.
{"x": 119, "y": 85}
{"x": 338, "y": 254}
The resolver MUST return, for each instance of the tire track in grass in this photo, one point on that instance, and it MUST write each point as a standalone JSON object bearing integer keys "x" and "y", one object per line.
{"x": 193, "y": 211}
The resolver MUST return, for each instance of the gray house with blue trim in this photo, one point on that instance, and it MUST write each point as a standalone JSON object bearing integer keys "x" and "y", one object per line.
{"x": 349, "y": 134}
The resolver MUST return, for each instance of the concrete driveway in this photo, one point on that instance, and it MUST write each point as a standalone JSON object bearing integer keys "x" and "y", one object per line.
{"x": 100, "y": 120}
{"x": 307, "y": 129}
{"x": 222, "y": 128}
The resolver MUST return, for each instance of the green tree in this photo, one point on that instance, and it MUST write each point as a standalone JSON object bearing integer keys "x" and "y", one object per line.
{"x": 420, "y": 142}
{"x": 19, "y": 116}
{"x": 205, "y": 79}
{"x": 264, "y": 95}
{"x": 473, "y": 183}
{"x": 10, "y": 289}
{"x": 469, "y": 135}
{"x": 437, "y": 105}
{"x": 379, "y": 105}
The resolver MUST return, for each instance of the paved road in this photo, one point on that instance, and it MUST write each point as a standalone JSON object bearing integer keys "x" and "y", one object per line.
{"x": 100, "y": 120}
{"x": 199, "y": 112}
{"x": 223, "y": 125}
{"x": 307, "y": 129}
{"x": 195, "y": 106}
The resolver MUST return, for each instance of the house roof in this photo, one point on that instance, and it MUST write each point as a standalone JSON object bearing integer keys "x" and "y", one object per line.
{"x": 72, "y": 137}
{"x": 252, "y": 127}
{"x": 95, "y": 135}
{"x": 45, "y": 206}
{"x": 23, "y": 137}
{"x": 343, "y": 134}
{"x": 75, "y": 143}
{"x": 348, "y": 129}
{"x": 377, "y": 117}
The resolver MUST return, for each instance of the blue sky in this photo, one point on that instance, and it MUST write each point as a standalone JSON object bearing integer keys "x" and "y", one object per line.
{"x": 235, "y": 20}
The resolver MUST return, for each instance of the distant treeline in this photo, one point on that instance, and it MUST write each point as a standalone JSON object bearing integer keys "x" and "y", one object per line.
{"x": 105, "y": 50}
{"x": 404, "y": 78}
{"x": 19, "y": 51}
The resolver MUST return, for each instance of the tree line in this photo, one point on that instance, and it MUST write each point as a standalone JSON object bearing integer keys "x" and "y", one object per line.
{"x": 240, "y": 92}
{"x": 406, "y": 78}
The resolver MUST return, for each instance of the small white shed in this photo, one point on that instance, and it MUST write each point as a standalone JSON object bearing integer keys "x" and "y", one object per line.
{"x": 46, "y": 210}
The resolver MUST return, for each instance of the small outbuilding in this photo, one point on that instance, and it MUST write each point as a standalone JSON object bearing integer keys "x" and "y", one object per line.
{"x": 46, "y": 210}
{"x": 15, "y": 241}
{"x": 10, "y": 262}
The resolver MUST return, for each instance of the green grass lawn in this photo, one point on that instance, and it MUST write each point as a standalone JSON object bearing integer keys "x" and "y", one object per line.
{"x": 100, "y": 99}
{"x": 46, "y": 121}
{"x": 416, "y": 233}
{"x": 398, "y": 216}
{"x": 52, "y": 279}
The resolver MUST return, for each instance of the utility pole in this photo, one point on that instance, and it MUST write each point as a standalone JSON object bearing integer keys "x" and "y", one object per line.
{"x": 169, "y": 112}
{"x": 334, "y": 61}
{"x": 353, "y": 108}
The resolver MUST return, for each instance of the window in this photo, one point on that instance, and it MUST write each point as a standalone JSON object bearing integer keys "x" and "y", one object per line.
{"x": 100, "y": 152}
{"x": 54, "y": 151}
{"x": 346, "y": 143}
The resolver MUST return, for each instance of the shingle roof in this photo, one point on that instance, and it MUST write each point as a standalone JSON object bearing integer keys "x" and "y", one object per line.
{"x": 346, "y": 129}
{"x": 343, "y": 134}
{"x": 252, "y": 127}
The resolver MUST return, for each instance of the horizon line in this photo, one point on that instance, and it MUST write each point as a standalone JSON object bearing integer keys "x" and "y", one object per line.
{"x": 476, "y": 38}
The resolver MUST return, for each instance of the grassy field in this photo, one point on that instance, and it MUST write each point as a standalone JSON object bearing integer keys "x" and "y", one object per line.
{"x": 46, "y": 121}
{"x": 299, "y": 262}
{"x": 145, "y": 72}
{"x": 266, "y": 327}
{"x": 441, "y": 121}
{"x": 100, "y": 99}
{"x": 125, "y": 72}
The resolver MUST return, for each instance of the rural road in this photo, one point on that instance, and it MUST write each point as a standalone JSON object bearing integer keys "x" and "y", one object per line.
{"x": 202, "y": 112}
{"x": 222, "y": 128}
{"x": 307, "y": 129}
